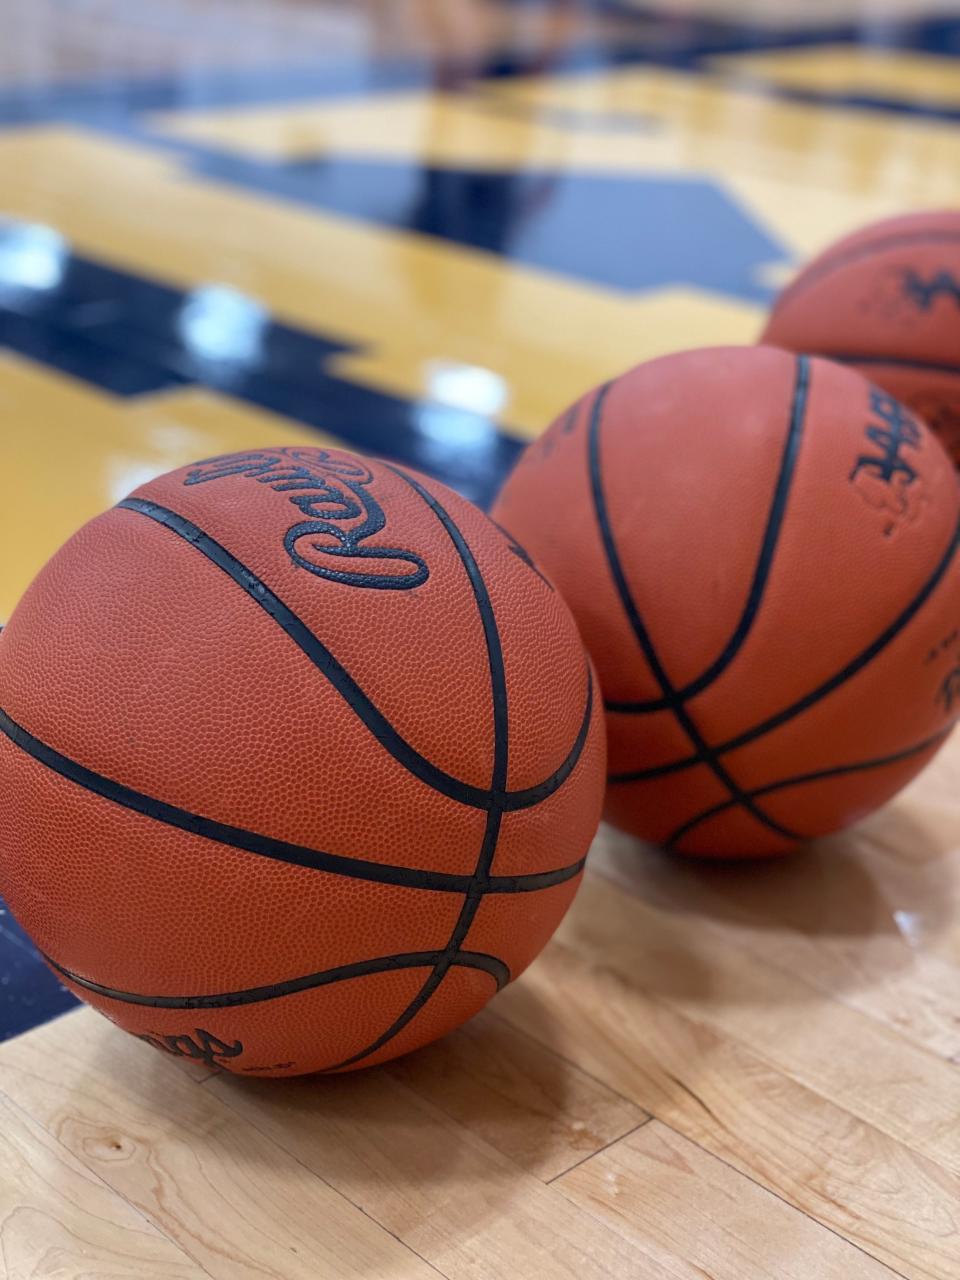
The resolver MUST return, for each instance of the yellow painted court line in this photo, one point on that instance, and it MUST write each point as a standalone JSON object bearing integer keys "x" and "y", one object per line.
{"x": 855, "y": 69}
{"x": 809, "y": 172}
{"x": 409, "y": 300}
{"x": 76, "y": 451}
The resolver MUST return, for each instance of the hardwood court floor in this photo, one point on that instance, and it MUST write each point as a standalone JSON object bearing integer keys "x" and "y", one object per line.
{"x": 725, "y": 1072}
{"x": 390, "y": 208}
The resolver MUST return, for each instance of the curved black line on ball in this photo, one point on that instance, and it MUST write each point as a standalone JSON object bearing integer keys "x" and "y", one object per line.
{"x": 818, "y": 775}
{"x": 498, "y": 782}
{"x": 528, "y": 797}
{"x": 266, "y": 846}
{"x": 321, "y": 657}
{"x": 863, "y": 659}
{"x": 705, "y": 753}
{"x": 761, "y": 573}
{"x": 896, "y": 240}
{"x": 654, "y": 771}
{"x": 292, "y": 986}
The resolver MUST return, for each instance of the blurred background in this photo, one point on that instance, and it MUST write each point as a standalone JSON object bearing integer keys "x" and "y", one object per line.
{"x": 418, "y": 228}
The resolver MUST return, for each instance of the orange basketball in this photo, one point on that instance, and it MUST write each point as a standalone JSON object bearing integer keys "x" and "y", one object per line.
{"x": 761, "y": 552}
{"x": 886, "y": 301}
{"x": 300, "y": 759}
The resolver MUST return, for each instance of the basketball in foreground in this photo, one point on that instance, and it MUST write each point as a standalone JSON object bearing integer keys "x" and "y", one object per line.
{"x": 761, "y": 552}
{"x": 886, "y": 301}
{"x": 300, "y": 759}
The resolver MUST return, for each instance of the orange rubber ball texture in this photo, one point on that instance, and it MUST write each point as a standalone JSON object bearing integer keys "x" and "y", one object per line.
{"x": 761, "y": 552}
{"x": 886, "y": 301}
{"x": 299, "y": 761}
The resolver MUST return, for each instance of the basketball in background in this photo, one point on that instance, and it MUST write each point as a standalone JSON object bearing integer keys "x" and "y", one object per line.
{"x": 886, "y": 301}
{"x": 761, "y": 552}
{"x": 299, "y": 761}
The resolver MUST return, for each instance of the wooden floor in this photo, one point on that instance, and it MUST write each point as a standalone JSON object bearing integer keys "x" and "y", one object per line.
{"x": 724, "y": 1072}
{"x": 713, "y": 1073}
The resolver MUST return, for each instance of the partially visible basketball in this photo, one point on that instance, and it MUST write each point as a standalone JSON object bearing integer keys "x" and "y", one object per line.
{"x": 299, "y": 761}
{"x": 886, "y": 301}
{"x": 761, "y": 552}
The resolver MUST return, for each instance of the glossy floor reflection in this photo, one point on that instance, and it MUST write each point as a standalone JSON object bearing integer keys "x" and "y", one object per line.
{"x": 418, "y": 229}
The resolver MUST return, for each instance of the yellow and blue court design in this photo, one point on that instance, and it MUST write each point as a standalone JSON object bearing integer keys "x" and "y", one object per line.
{"x": 421, "y": 229}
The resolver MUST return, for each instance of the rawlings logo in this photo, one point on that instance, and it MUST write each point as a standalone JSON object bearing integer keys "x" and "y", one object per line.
{"x": 206, "y": 1048}
{"x": 924, "y": 293}
{"x": 886, "y": 478}
{"x": 341, "y": 515}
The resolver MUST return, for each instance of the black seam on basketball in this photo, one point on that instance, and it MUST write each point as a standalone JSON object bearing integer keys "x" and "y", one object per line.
{"x": 818, "y": 775}
{"x": 444, "y": 960}
{"x": 654, "y": 771}
{"x": 292, "y": 986}
{"x": 498, "y": 783}
{"x": 310, "y": 645}
{"x": 856, "y": 665}
{"x": 896, "y": 362}
{"x": 814, "y": 274}
{"x": 371, "y": 716}
{"x": 705, "y": 754}
{"x": 528, "y": 797}
{"x": 768, "y": 547}
{"x": 266, "y": 846}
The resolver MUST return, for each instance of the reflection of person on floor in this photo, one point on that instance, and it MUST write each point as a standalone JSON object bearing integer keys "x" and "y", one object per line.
{"x": 472, "y": 42}
{"x": 461, "y": 37}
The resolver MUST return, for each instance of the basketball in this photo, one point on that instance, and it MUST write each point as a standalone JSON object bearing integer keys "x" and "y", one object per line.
{"x": 886, "y": 301}
{"x": 300, "y": 760}
{"x": 761, "y": 552}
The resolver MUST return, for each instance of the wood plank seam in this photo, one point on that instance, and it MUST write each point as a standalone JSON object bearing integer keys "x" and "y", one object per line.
{"x": 70, "y": 1158}
{"x": 382, "y": 1226}
{"x": 770, "y": 1190}
{"x": 701, "y": 1019}
{"x": 562, "y": 1057}
{"x": 846, "y": 1216}
{"x": 600, "y": 1150}
{"x": 815, "y": 987}
{"x": 172, "y": 1113}
{"x": 609, "y": 1238}
{"x": 611, "y": 1198}
{"x": 312, "y": 1174}
{"x": 581, "y": 1070}
{"x": 758, "y": 1052}
{"x": 769, "y": 1184}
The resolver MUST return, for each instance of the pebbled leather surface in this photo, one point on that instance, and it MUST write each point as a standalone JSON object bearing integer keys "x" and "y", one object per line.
{"x": 889, "y": 293}
{"x": 139, "y": 661}
{"x": 690, "y": 454}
